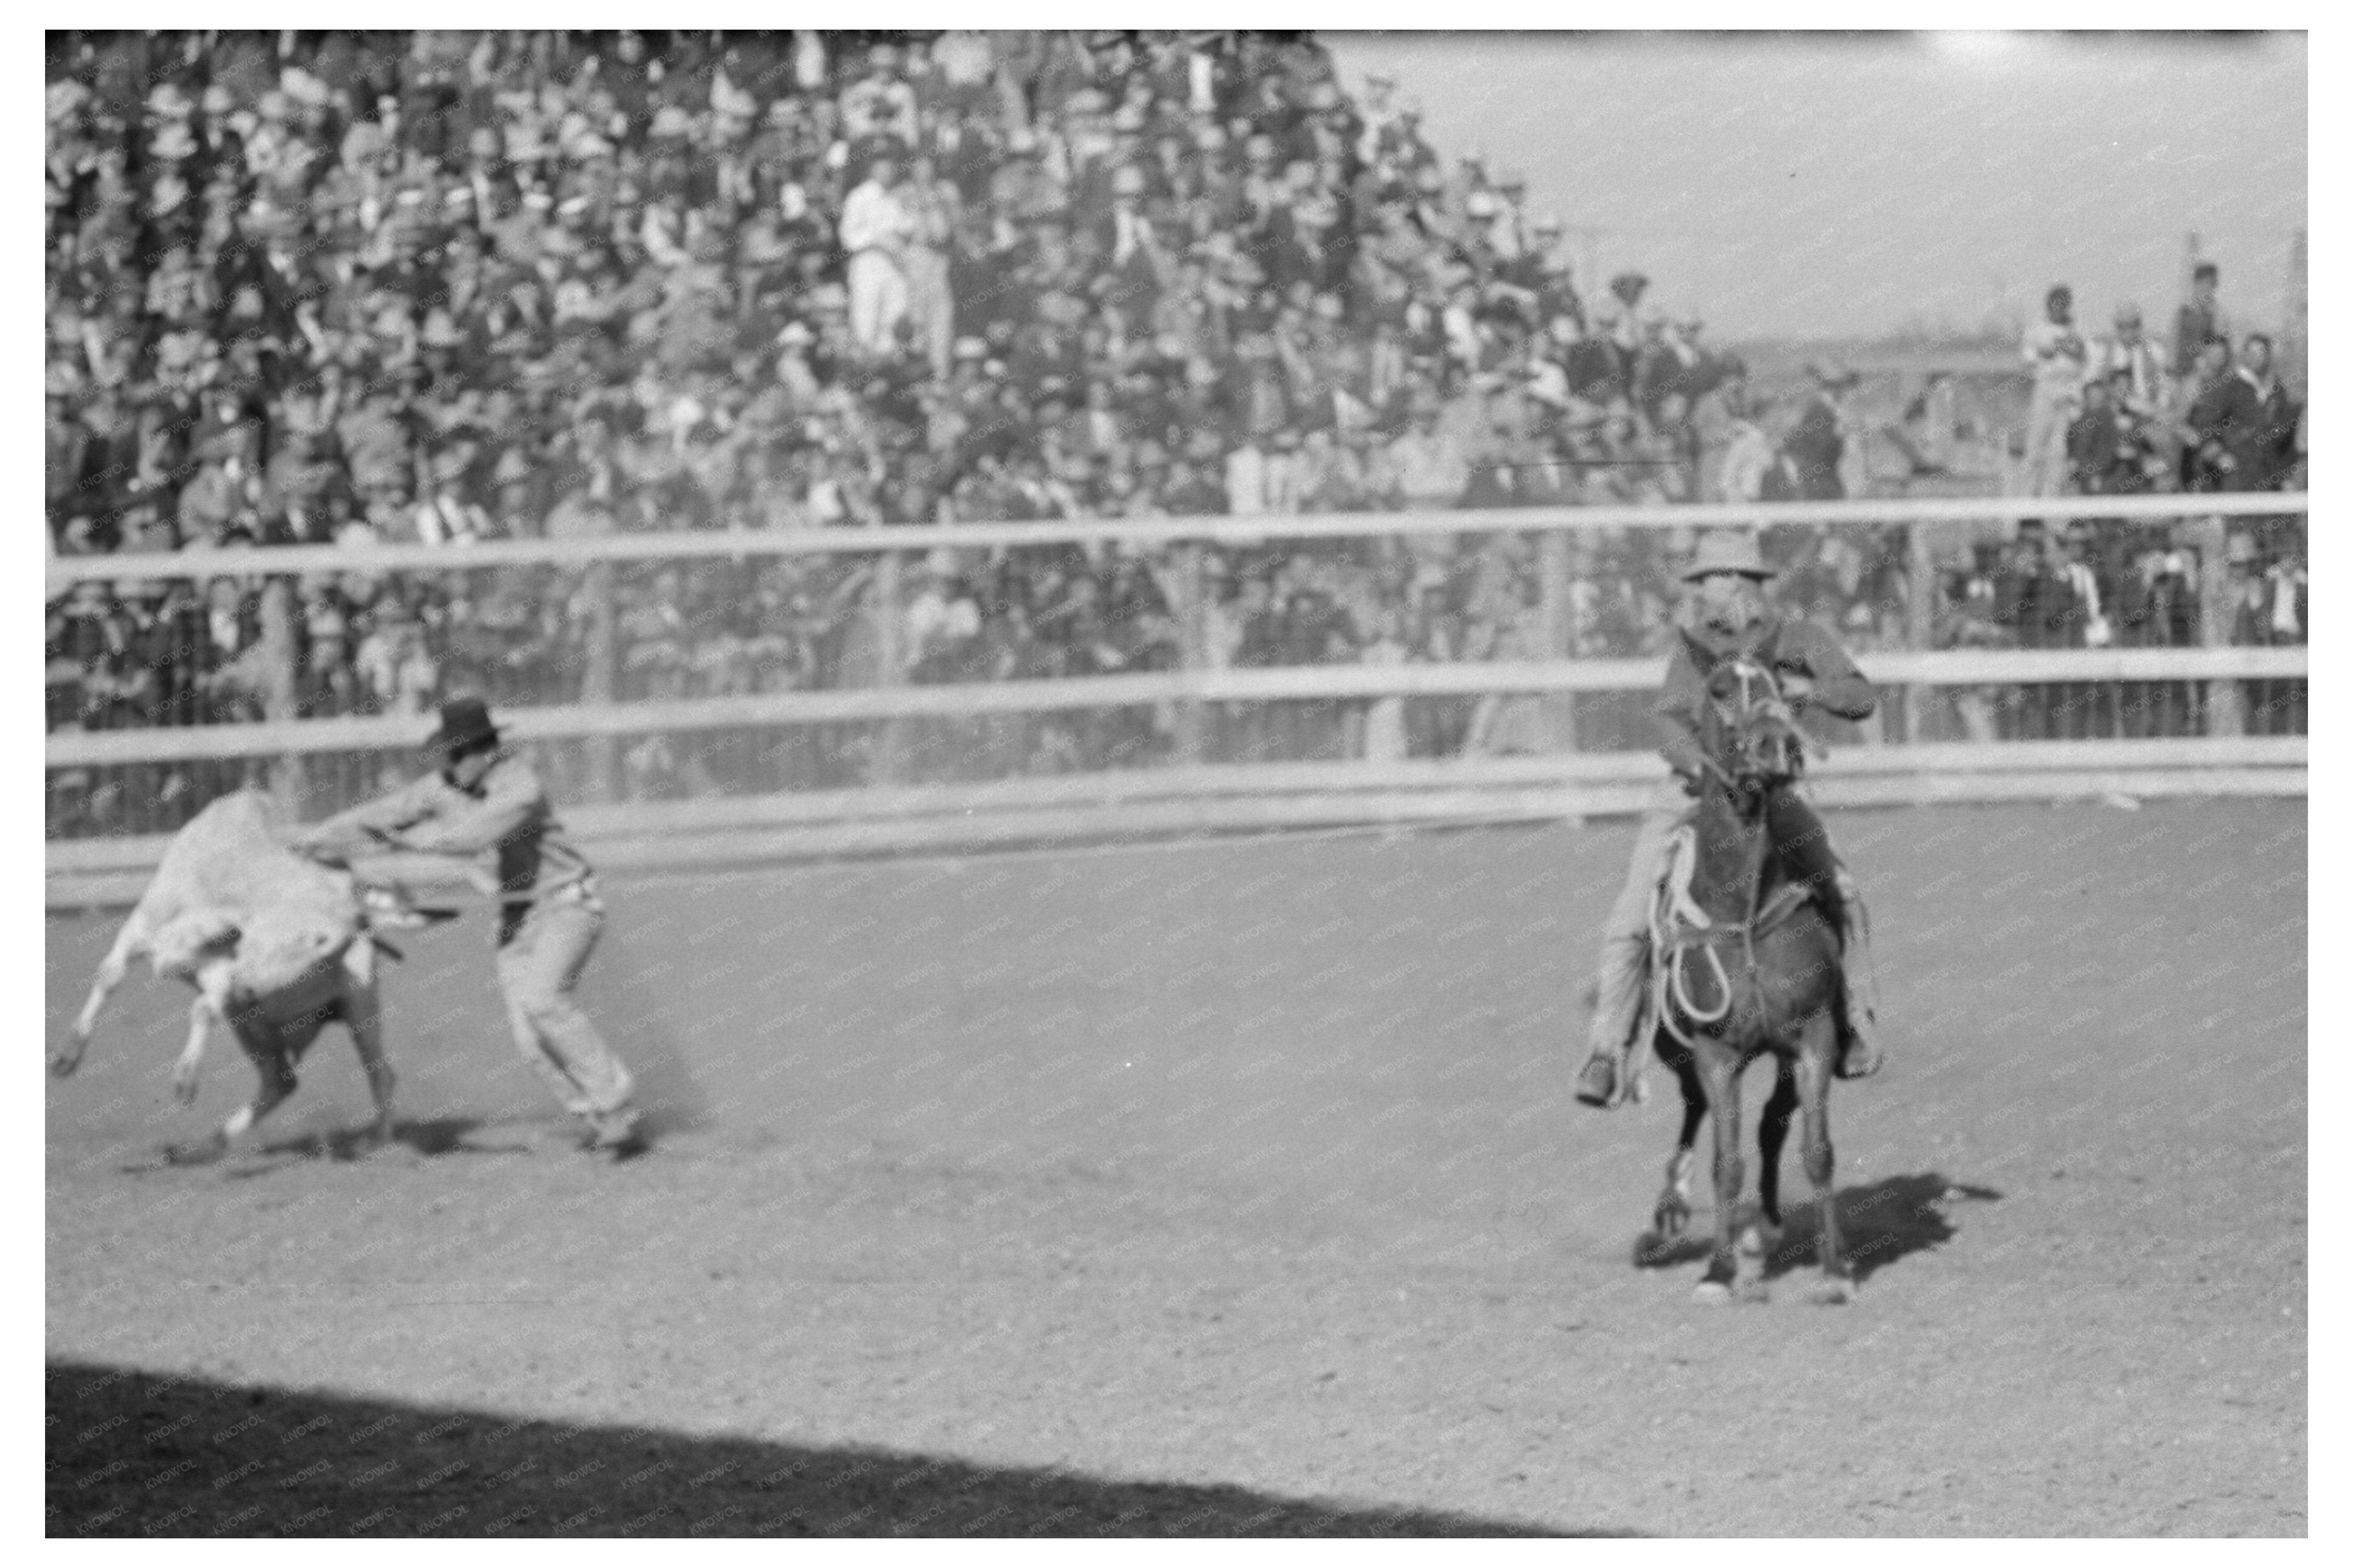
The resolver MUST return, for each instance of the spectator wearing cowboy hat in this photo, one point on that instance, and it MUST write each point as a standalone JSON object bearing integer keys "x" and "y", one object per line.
{"x": 485, "y": 798}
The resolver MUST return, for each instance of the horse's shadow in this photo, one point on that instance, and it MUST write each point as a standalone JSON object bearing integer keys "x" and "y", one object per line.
{"x": 1888, "y": 1219}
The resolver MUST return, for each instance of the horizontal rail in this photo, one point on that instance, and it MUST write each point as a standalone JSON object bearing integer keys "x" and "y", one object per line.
{"x": 1289, "y": 683}
{"x": 1433, "y": 777}
{"x": 1249, "y": 530}
{"x": 113, "y": 874}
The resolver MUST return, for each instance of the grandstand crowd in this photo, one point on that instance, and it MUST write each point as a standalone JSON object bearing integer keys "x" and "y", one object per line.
{"x": 451, "y": 287}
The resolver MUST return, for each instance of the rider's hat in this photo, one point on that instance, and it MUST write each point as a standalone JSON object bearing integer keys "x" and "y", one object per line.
{"x": 465, "y": 725}
{"x": 1728, "y": 550}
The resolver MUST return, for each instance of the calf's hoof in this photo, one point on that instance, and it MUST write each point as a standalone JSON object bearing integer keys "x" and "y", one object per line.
{"x": 1833, "y": 1291}
{"x": 1712, "y": 1293}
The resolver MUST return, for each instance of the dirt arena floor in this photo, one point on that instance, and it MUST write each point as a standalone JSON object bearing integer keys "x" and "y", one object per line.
{"x": 1232, "y": 1188}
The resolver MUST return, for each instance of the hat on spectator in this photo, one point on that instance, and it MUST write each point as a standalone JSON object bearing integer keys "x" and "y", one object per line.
{"x": 1727, "y": 550}
{"x": 829, "y": 297}
{"x": 174, "y": 140}
{"x": 1548, "y": 223}
{"x": 672, "y": 120}
{"x": 797, "y": 333}
{"x": 1128, "y": 181}
{"x": 971, "y": 349}
{"x": 1481, "y": 205}
{"x": 2239, "y": 549}
{"x": 440, "y": 331}
{"x": 302, "y": 87}
{"x": 219, "y": 101}
{"x": 65, "y": 98}
{"x": 168, "y": 100}
{"x": 2128, "y": 314}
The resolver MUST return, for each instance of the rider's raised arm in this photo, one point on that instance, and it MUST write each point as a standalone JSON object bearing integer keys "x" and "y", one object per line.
{"x": 1677, "y": 712}
{"x": 1838, "y": 687}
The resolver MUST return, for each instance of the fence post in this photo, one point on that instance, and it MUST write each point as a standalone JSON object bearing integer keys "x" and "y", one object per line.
{"x": 2224, "y": 713}
{"x": 1557, "y": 626}
{"x": 1192, "y": 647}
{"x": 1919, "y": 627}
{"x": 281, "y": 686}
{"x": 889, "y": 667}
{"x": 600, "y": 647}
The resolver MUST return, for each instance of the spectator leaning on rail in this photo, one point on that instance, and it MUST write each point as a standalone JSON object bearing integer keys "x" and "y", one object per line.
{"x": 485, "y": 797}
{"x": 1728, "y": 611}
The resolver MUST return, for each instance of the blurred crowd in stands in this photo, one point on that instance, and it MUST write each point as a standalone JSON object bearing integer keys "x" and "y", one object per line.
{"x": 453, "y": 287}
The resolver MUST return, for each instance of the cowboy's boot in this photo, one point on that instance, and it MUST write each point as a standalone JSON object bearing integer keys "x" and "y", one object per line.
{"x": 1859, "y": 1055}
{"x": 1607, "y": 1076}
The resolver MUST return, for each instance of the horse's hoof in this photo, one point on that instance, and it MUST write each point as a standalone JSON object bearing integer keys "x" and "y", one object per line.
{"x": 1670, "y": 1221}
{"x": 1651, "y": 1248}
{"x": 1833, "y": 1292}
{"x": 1597, "y": 1084}
{"x": 1712, "y": 1293}
{"x": 1752, "y": 1292}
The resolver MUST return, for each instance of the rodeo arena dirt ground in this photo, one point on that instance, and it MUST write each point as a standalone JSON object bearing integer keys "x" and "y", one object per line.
{"x": 1221, "y": 1188}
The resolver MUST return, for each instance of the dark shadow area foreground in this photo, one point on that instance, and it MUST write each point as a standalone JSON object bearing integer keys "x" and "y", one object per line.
{"x": 133, "y": 1453}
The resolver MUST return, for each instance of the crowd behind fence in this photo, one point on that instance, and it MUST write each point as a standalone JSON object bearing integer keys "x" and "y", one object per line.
{"x": 454, "y": 288}
{"x": 665, "y": 631}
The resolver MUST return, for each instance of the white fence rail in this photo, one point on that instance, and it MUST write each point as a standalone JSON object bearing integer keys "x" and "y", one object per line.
{"x": 64, "y": 572}
{"x": 1189, "y": 796}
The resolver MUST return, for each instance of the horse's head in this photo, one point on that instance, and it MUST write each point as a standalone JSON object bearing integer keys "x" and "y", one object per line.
{"x": 1747, "y": 726}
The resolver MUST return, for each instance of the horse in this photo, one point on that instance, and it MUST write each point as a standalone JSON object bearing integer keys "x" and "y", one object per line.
{"x": 1744, "y": 964}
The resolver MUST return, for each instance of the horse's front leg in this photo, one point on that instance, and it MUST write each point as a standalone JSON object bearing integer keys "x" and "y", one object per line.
{"x": 1673, "y": 1214}
{"x": 1816, "y": 1059}
{"x": 1720, "y": 1073}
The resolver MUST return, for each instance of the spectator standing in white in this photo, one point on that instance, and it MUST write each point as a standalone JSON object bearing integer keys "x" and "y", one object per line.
{"x": 2054, "y": 352}
{"x": 876, "y": 229}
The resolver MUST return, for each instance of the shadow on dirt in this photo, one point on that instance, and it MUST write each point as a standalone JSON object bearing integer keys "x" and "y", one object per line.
{"x": 1888, "y": 1219}
{"x": 132, "y": 1453}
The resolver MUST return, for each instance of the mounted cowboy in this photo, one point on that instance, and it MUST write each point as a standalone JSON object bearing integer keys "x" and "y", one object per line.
{"x": 1729, "y": 613}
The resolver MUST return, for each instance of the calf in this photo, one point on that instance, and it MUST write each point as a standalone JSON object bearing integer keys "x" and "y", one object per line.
{"x": 276, "y": 946}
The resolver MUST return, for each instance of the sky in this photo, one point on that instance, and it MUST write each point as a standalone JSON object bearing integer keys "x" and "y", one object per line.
{"x": 1816, "y": 185}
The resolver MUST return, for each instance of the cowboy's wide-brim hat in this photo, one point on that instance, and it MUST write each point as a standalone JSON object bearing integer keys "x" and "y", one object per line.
{"x": 1725, "y": 551}
{"x": 465, "y": 723}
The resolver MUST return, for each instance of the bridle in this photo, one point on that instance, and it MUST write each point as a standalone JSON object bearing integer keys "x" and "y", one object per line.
{"x": 1762, "y": 743}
